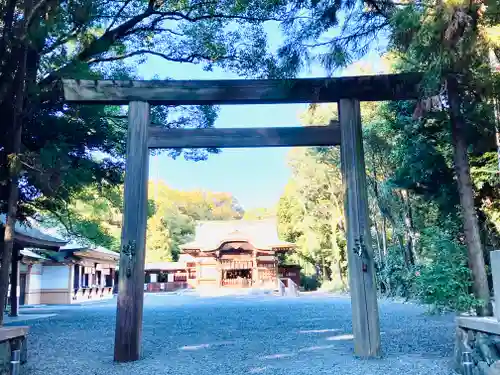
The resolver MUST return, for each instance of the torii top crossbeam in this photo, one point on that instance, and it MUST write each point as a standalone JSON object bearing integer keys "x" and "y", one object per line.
{"x": 304, "y": 90}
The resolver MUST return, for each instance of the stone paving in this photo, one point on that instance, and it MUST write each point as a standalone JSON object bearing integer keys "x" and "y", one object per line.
{"x": 193, "y": 335}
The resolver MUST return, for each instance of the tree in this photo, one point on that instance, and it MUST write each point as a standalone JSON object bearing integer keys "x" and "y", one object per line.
{"x": 453, "y": 53}
{"x": 311, "y": 214}
{"x": 448, "y": 41}
{"x": 167, "y": 230}
{"x": 55, "y": 158}
{"x": 413, "y": 201}
{"x": 260, "y": 213}
{"x": 175, "y": 214}
{"x": 94, "y": 217}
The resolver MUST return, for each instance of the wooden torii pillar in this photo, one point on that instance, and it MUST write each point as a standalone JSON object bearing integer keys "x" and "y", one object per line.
{"x": 362, "y": 286}
{"x": 347, "y": 91}
{"x": 133, "y": 241}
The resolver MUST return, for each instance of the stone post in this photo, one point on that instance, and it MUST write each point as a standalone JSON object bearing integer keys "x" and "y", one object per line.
{"x": 495, "y": 273}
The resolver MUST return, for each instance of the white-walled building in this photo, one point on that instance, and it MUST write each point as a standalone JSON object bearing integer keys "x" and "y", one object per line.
{"x": 70, "y": 275}
{"x": 45, "y": 270}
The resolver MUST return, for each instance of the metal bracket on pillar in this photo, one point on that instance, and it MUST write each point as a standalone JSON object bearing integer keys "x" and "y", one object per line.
{"x": 359, "y": 247}
{"x": 129, "y": 251}
{"x": 361, "y": 251}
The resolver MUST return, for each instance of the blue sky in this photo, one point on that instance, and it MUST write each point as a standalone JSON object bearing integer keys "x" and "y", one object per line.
{"x": 256, "y": 177}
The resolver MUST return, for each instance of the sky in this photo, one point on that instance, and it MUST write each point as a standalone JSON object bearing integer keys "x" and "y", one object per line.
{"x": 255, "y": 177}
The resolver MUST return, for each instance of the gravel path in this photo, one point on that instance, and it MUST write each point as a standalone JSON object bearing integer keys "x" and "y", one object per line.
{"x": 189, "y": 335}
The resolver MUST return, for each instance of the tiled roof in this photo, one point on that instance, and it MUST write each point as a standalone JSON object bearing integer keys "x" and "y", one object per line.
{"x": 32, "y": 254}
{"x": 262, "y": 234}
{"x": 72, "y": 251}
{"x": 103, "y": 250}
{"x": 77, "y": 247}
{"x": 29, "y": 231}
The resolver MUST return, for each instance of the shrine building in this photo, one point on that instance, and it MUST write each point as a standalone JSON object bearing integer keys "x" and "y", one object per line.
{"x": 235, "y": 253}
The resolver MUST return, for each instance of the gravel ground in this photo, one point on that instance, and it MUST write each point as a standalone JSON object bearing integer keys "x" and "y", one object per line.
{"x": 190, "y": 335}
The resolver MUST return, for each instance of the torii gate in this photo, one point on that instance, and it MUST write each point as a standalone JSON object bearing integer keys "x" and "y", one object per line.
{"x": 347, "y": 91}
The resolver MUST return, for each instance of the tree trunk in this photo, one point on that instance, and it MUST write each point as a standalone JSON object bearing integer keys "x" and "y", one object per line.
{"x": 336, "y": 256}
{"x": 14, "y": 168}
{"x": 14, "y": 282}
{"x": 377, "y": 238}
{"x": 497, "y": 131}
{"x": 11, "y": 219}
{"x": 410, "y": 229}
{"x": 384, "y": 238}
{"x": 324, "y": 276}
{"x": 384, "y": 251}
{"x": 7, "y": 67}
{"x": 466, "y": 193}
{"x": 382, "y": 215}
{"x": 400, "y": 240}
{"x": 377, "y": 198}
{"x": 341, "y": 276}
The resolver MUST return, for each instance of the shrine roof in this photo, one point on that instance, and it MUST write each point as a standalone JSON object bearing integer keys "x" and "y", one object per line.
{"x": 28, "y": 235}
{"x": 75, "y": 252}
{"x": 262, "y": 234}
{"x": 32, "y": 254}
{"x": 98, "y": 252}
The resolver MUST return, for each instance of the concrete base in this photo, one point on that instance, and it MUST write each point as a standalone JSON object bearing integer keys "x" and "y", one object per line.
{"x": 482, "y": 324}
{"x": 12, "y": 338}
{"x": 481, "y": 337}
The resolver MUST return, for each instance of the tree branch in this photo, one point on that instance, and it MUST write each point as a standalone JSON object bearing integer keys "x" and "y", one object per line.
{"x": 152, "y": 29}
{"x": 101, "y": 44}
{"x": 182, "y": 16}
{"x": 347, "y": 37}
{"x": 374, "y": 5}
{"x": 188, "y": 59}
{"x": 32, "y": 167}
{"x": 127, "y": 2}
{"x": 31, "y": 17}
{"x": 63, "y": 40}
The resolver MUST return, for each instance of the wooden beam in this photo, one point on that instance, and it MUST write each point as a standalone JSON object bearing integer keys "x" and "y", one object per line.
{"x": 365, "y": 319}
{"x": 133, "y": 241}
{"x": 244, "y": 137}
{"x": 14, "y": 281}
{"x": 309, "y": 90}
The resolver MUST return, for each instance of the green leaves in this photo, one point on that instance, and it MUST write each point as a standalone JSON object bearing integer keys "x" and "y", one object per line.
{"x": 176, "y": 212}
{"x": 335, "y": 33}
{"x": 310, "y": 213}
{"x": 94, "y": 217}
{"x": 443, "y": 280}
{"x": 70, "y": 147}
